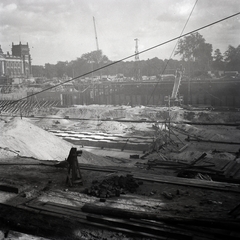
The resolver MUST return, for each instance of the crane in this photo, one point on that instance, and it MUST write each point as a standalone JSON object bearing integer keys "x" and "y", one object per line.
{"x": 177, "y": 82}
{"x": 95, "y": 30}
{"x": 98, "y": 57}
{"x": 173, "y": 99}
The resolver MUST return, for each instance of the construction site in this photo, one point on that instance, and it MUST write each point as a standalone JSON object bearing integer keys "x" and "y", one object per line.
{"x": 119, "y": 171}
{"x": 121, "y": 160}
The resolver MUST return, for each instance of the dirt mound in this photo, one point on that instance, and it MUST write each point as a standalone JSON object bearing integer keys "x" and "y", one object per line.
{"x": 21, "y": 138}
{"x": 25, "y": 139}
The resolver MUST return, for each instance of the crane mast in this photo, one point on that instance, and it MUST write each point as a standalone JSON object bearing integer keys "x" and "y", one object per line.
{"x": 136, "y": 50}
{"x": 137, "y": 63}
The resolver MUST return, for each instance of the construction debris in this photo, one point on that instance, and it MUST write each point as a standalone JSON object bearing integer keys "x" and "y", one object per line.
{"x": 113, "y": 186}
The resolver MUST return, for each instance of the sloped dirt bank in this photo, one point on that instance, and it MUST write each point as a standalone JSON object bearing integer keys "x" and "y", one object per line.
{"x": 22, "y": 138}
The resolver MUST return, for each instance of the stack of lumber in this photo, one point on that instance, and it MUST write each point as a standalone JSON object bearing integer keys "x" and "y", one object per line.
{"x": 133, "y": 222}
{"x": 224, "y": 170}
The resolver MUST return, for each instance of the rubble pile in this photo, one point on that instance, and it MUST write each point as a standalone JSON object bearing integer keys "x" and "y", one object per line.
{"x": 113, "y": 186}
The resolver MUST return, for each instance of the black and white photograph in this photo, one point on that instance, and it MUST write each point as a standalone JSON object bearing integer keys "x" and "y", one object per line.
{"x": 119, "y": 119}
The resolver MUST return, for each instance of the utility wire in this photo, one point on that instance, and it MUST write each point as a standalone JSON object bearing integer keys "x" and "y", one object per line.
{"x": 151, "y": 95}
{"x": 130, "y": 56}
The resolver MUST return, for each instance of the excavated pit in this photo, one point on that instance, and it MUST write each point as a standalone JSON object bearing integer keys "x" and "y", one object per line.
{"x": 110, "y": 138}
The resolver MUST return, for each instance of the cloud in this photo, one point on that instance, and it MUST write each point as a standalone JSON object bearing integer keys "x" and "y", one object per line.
{"x": 10, "y": 8}
{"x": 63, "y": 29}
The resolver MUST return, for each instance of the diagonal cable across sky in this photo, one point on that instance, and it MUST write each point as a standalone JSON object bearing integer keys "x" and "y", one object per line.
{"x": 130, "y": 56}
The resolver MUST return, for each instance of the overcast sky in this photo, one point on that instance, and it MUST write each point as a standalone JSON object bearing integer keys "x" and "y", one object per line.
{"x": 63, "y": 30}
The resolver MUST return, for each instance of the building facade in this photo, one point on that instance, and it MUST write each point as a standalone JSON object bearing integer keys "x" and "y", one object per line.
{"x": 18, "y": 64}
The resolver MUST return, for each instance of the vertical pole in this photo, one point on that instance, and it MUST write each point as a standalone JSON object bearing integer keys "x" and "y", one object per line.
{"x": 169, "y": 117}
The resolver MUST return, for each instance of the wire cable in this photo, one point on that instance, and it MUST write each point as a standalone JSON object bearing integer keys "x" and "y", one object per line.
{"x": 130, "y": 56}
{"x": 151, "y": 95}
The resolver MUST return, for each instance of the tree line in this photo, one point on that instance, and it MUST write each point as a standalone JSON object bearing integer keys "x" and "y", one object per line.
{"x": 196, "y": 56}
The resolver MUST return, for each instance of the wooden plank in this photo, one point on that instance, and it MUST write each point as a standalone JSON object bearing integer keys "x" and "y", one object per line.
{"x": 66, "y": 212}
{"x": 196, "y": 182}
{"x": 61, "y": 211}
{"x": 211, "y": 141}
{"x": 237, "y": 174}
{"x": 103, "y": 169}
{"x": 181, "y": 181}
{"x": 69, "y": 221}
{"x": 60, "y": 205}
{"x": 202, "y": 232}
{"x": 235, "y": 211}
{"x": 219, "y": 186}
{"x": 128, "y": 231}
{"x": 224, "y": 165}
{"x": 37, "y": 211}
{"x": 231, "y": 171}
{"x": 193, "y": 163}
{"x": 102, "y": 225}
{"x": 228, "y": 167}
{"x": 18, "y": 200}
{"x": 127, "y": 214}
{"x": 210, "y": 233}
{"x": 140, "y": 227}
{"x": 201, "y": 170}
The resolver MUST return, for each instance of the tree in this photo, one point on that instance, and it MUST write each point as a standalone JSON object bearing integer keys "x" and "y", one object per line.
{"x": 217, "y": 63}
{"x": 95, "y": 56}
{"x": 38, "y": 71}
{"x": 50, "y": 70}
{"x": 193, "y": 48}
{"x": 61, "y": 68}
{"x": 232, "y": 58}
{"x": 217, "y": 56}
{"x": 92, "y": 56}
{"x": 188, "y": 46}
{"x": 95, "y": 59}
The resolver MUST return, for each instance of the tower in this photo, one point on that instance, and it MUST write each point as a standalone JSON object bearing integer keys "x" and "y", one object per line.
{"x": 136, "y": 50}
{"x": 137, "y": 74}
{"x": 23, "y": 51}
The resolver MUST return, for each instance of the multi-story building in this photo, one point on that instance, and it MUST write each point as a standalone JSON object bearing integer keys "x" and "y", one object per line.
{"x": 18, "y": 64}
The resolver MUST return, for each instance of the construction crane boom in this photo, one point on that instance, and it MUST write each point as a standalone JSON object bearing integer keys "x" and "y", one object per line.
{"x": 177, "y": 82}
{"x": 95, "y": 30}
